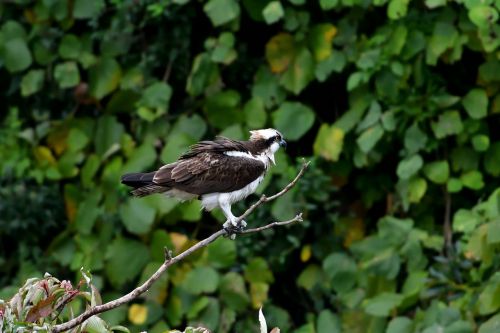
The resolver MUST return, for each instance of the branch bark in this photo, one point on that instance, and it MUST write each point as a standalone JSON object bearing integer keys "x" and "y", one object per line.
{"x": 169, "y": 260}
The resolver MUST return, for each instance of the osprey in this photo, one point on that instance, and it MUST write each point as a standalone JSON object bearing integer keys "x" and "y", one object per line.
{"x": 219, "y": 172}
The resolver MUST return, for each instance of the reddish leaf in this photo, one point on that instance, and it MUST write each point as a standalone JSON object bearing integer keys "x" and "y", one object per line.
{"x": 41, "y": 310}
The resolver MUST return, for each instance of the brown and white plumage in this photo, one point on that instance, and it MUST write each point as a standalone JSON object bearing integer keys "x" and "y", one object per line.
{"x": 219, "y": 172}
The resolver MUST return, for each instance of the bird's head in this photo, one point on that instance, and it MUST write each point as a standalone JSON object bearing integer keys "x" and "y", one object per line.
{"x": 269, "y": 139}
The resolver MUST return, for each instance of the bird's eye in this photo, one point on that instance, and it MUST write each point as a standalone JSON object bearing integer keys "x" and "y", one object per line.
{"x": 278, "y": 137}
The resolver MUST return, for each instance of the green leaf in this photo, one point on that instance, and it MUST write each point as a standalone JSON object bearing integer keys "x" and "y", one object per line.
{"x": 310, "y": 277}
{"x": 371, "y": 118}
{"x": 193, "y": 126}
{"x": 437, "y": 172}
{"x": 489, "y": 71}
{"x": 83, "y": 9}
{"x": 369, "y": 138}
{"x": 431, "y": 4}
{"x": 465, "y": 221}
{"x": 299, "y": 73}
{"x": 293, "y": 119}
{"x": 87, "y": 213}
{"x": 409, "y": 166}
{"x": 222, "y": 11}
{"x": 480, "y": 142}
{"x": 397, "y": 9}
{"x": 382, "y": 304}
{"x": 415, "y": 283}
{"x": 400, "y": 325}
{"x": 209, "y": 317}
{"x": 16, "y": 55}
{"x": 493, "y": 235}
{"x": 104, "y": 77}
{"x": 492, "y": 325}
{"x": 233, "y": 291}
{"x": 342, "y": 271}
{"x": 416, "y": 189}
{"x": 70, "y": 47}
{"x": 443, "y": 38}
{"x": 307, "y": 328}
{"x": 472, "y": 179}
{"x": 12, "y": 29}
{"x": 137, "y": 216}
{"x": 67, "y": 74}
{"x": 280, "y": 52}
{"x": 154, "y": 101}
{"x": 175, "y": 147}
{"x": 222, "y": 253}
{"x": 141, "y": 159}
{"x": 89, "y": 170}
{"x": 258, "y": 270}
{"x": 454, "y": 185}
{"x": 328, "y": 322}
{"x": 368, "y": 59}
{"x": 492, "y": 160}
{"x": 95, "y": 325}
{"x": 255, "y": 113}
{"x": 476, "y": 103}
{"x": 273, "y": 12}
{"x": 355, "y": 80}
{"x": 328, "y": 4}
{"x": 489, "y": 299}
{"x": 415, "y": 139}
{"x": 335, "y": 62}
{"x": 122, "y": 267}
{"x": 204, "y": 73}
{"x": 201, "y": 280}
{"x": 77, "y": 139}
{"x": 448, "y": 123}
{"x": 32, "y": 82}
{"x": 223, "y": 109}
{"x": 320, "y": 40}
{"x": 483, "y": 16}
{"x": 108, "y": 134}
{"x": 329, "y": 142}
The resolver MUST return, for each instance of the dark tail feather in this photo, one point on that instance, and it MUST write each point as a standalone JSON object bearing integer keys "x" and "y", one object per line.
{"x": 148, "y": 189}
{"x": 138, "y": 179}
{"x": 142, "y": 183}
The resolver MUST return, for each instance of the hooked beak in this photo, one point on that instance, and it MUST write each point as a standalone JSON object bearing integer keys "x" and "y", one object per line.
{"x": 283, "y": 143}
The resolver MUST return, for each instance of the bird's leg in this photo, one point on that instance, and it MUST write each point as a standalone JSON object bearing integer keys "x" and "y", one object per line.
{"x": 231, "y": 223}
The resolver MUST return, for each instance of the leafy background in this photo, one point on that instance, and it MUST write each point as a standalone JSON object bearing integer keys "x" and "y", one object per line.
{"x": 395, "y": 102}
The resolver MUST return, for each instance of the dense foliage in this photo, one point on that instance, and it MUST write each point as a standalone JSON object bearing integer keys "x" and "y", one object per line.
{"x": 394, "y": 102}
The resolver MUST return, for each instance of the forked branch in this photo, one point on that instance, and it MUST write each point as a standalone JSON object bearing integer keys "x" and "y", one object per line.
{"x": 169, "y": 260}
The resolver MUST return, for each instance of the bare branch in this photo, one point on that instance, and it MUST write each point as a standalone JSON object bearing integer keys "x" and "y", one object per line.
{"x": 169, "y": 260}
{"x": 297, "y": 218}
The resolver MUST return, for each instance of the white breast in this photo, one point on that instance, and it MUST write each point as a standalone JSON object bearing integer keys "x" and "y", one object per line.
{"x": 211, "y": 201}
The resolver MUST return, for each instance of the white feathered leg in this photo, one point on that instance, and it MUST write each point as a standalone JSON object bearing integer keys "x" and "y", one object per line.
{"x": 225, "y": 205}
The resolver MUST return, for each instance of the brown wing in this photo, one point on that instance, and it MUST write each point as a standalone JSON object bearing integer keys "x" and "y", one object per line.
{"x": 218, "y": 146}
{"x": 208, "y": 172}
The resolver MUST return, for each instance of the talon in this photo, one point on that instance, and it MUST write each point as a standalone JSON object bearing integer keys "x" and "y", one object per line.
{"x": 243, "y": 223}
{"x": 231, "y": 232}
{"x": 228, "y": 224}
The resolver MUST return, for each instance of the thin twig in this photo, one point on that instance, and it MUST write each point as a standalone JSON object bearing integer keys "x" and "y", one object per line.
{"x": 297, "y": 218}
{"x": 168, "y": 68}
{"x": 169, "y": 260}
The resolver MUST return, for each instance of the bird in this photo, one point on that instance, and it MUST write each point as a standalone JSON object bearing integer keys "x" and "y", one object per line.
{"x": 219, "y": 173}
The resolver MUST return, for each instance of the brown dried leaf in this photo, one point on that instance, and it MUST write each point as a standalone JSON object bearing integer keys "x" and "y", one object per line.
{"x": 41, "y": 309}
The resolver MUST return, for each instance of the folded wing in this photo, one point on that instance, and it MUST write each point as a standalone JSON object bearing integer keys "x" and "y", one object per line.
{"x": 209, "y": 172}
